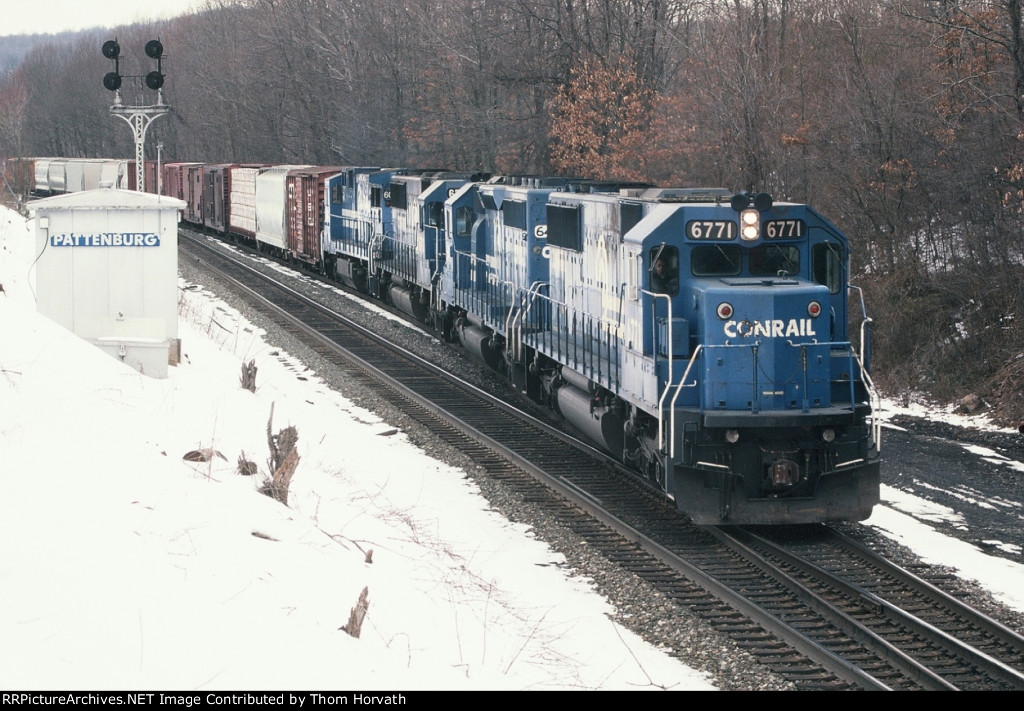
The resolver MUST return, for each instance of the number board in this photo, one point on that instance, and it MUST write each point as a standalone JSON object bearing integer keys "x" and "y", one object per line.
{"x": 711, "y": 230}
{"x": 783, "y": 229}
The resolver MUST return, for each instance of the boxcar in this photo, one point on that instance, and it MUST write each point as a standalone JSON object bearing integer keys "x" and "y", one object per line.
{"x": 217, "y": 196}
{"x": 272, "y": 208}
{"x": 241, "y": 212}
{"x": 305, "y": 189}
{"x": 194, "y": 193}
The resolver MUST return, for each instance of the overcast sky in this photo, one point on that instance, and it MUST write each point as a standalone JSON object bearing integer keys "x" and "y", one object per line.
{"x": 50, "y": 16}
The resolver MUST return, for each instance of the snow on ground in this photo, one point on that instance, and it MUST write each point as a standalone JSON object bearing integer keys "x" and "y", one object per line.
{"x": 905, "y": 518}
{"x": 123, "y": 566}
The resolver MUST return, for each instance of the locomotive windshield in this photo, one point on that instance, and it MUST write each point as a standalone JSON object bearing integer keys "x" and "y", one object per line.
{"x": 715, "y": 260}
{"x": 775, "y": 260}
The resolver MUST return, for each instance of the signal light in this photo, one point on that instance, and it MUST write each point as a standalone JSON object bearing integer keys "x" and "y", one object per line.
{"x": 112, "y": 50}
{"x": 154, "y": 80}
{"x": 155, "y": 50}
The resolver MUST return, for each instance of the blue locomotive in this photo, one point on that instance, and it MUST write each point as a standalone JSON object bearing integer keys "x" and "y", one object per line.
{"x": 712, "y": 342}
{"x": 700, "y": 337}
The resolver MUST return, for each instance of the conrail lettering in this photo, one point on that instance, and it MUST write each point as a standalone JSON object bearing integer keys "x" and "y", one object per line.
{"x": 776, "y": 328}
{"x": 106, "y": 239}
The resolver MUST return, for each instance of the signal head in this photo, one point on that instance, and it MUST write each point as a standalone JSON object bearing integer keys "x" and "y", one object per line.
{"x": 111, "y": 49}
{"x": 112, "y": 81}
{"x": 154, "y": 80}
{"x": 154, "y": 49}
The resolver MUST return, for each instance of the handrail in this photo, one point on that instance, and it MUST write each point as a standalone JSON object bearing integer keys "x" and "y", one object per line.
{"x": 682, "y": 384}
{"x": 865, "y": 321}
{"x": 876, "y": 431}
{"x": 654, "y": 321}
{"x": 602, "y": 333}
{"x": 863, "y": 338}
{"x": 520, "y": 317}
{"x": 876, "y": 402}
{"x": 507, "y": 287}
{"x": 679, "y": 389}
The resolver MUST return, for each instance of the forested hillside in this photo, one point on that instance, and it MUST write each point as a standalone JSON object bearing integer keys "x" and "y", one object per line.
{"x": 901, "y": 120}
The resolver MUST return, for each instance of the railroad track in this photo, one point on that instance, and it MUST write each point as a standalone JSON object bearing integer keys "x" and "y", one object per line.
{"x": 806, "y": 602}
{"x": 937, "y": 640}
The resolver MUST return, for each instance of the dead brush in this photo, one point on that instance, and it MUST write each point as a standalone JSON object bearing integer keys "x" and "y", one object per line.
{"x": 248, "y": 377}
{"x": 284, "y": 458}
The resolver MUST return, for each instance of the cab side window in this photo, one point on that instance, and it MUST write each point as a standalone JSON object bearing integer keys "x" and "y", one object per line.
{"x": 664, "y": 270}
{"x": 827, "y": 265}
{"x": 464, "y": 218}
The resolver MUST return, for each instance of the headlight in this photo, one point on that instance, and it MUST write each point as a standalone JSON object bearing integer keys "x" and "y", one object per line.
{"x": 750, "y": 220}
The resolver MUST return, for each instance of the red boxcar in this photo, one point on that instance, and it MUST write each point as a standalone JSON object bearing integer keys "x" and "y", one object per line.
{"x": 177, "y": 183}
{"x": 217, "y": 196}
{"x": 305, "y": 213}
{"x": 149, "y": 174}
{"x": 194, "y": 193}
{"x": 174, "y": 176}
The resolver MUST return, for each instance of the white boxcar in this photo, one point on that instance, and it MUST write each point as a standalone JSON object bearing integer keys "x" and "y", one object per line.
{"x": 82, "y": 174}
{"x": 272, "y": 206}
{"x": 113, "y": 174}
{"x": 56, "y": 177}
{"x": 242, "y": 199}
{"x": 42, "y": 176}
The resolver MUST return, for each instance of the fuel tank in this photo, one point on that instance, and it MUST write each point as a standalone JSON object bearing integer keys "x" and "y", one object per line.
{"x": 597, "y": 423}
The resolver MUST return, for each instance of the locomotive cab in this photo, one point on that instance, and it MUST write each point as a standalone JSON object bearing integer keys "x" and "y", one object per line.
{"x": 745, "y": 398}
{"x": 774, "y": 424}
{"x": 345, "y": 238}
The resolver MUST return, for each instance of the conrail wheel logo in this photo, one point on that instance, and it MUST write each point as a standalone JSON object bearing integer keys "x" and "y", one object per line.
{"x": 106, "y": 239}
{"x": 776, "y": 328}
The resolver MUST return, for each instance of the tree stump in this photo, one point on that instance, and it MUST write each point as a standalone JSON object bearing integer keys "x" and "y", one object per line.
{"x": 355, "y": 618}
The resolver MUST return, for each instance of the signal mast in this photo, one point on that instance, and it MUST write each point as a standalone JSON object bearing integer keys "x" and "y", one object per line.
{"x": 137, "y": 117}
